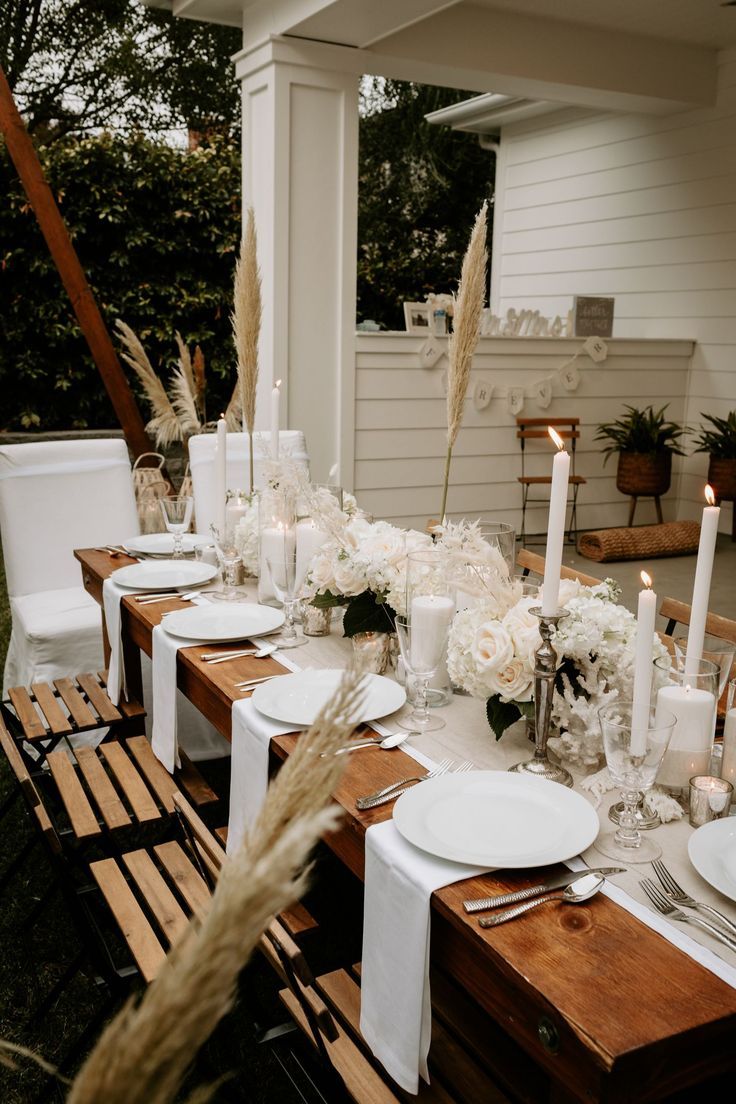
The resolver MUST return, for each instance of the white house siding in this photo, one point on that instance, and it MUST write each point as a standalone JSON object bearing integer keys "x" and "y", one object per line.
{"x": 639, "y": 207}
{"x": 400, "y": 426}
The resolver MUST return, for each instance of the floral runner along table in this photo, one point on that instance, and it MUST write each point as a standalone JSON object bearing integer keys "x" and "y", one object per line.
{"x": 607, "y": 1000}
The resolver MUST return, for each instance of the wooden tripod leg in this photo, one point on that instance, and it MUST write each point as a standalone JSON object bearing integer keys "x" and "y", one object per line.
{"x": 658, "y": 504}
{"x": 632, "y": 510}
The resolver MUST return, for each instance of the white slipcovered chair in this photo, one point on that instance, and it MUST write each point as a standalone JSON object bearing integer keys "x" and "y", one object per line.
{"x": 56, "y": 496}
{"x": 202, "y": 464}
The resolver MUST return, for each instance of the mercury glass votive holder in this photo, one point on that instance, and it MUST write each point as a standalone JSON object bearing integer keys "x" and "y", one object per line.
{"x": 315, "y": 622}
{"x": 372, "y": 651}
{"x": 710, "y": 799}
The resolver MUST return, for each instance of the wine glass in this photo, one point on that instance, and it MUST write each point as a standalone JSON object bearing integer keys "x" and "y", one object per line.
{"x": 177, "y": 511}
{"x": 422, "y": 652}
{"x": 283, "y": 579}
{"x": 633, "y": 756}
{"x": 228, "y": 554}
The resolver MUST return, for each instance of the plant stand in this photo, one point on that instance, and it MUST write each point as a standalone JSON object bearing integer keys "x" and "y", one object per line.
{"x": 632, "y": 507}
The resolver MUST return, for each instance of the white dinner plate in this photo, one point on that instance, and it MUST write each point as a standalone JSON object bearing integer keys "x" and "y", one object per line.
{"x": 712, "y": 851}
{"x": 162, "y": 574}
{"x": 162, "y": 544}
{"x": 493, "y": 818}
{"x": 298, "y": 699}
{"x": 215, "y": 621}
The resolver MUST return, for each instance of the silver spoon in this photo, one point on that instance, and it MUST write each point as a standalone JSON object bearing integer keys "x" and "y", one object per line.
{"x": 394, "y": 739}
{"x": 254, "y": 653}
{"x": 584, "y": 887}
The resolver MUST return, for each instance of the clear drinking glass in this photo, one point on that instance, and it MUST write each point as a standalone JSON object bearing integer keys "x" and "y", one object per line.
{"x": 501, "y": 536}
{"x": 422, "y": 652}
{"x": 229, "y": 556}
{"x": 430, "y": 601}
{"x": 720, "y": 652}
{"x": 283, "y": 580}
{"x": 692, "y": 696}
{"x": 633, "y": 758}
{"x": 177, "y": 511}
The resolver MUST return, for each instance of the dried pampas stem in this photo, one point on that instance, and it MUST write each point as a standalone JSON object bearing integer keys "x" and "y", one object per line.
{"x": 200, "y": 382}
{"x": 183, "y": 391}
{"x": 246, "y": 321}
{"x": 164, "y": 424}
{"x": 464, "y": 337}
{"x": 145, "y": 1052}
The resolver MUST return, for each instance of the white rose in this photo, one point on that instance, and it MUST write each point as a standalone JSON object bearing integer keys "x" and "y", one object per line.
{"x": 321, "y": 576}
{"x": 385, "y": 545}
{"x": 492, "y": 647}
{"x": 513, "y": 681}
{"x": 523, "y": 628}
{"x": 349, "y": 578}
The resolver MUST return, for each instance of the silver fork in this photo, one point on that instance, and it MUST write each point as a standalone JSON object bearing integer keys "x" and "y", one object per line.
{"x": 388, "y": 793}
{"x": 680, "y": 897}
{"x": 665, "y": 906}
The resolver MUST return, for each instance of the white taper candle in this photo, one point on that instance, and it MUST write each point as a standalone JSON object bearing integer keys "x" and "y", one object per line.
{"x": 701, "y": 586}
{"x": 555, "y": 526}
{"x": 275, "y": 398}
{"x": 221, "y": 475}
{"x": 646, "y": 613}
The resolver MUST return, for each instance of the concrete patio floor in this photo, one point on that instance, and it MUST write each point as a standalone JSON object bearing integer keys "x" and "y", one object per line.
{"x": 673, "y": 576}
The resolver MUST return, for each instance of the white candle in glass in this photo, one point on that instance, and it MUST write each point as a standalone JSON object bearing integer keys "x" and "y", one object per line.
{"x": 555, "y": 526}
{"x": 278, "y": 542}
{"x": 701, "y": 586}
{"x": 235, "y": 510}
{"x": 275, "y": 397}
{"x": 690, "y": 747}
{"x": 646, "y": 613}
{"x": 221, "y": 474}
{"x": 309, "y": 540}
{"x": 728, "y": 762}
{"x": 430, "y": 616}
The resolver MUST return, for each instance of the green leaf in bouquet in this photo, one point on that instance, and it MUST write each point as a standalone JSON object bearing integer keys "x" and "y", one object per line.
{"x": 501, "y": 715}
{"x": 365, "y": 614}
{"x": 328, "y": 600}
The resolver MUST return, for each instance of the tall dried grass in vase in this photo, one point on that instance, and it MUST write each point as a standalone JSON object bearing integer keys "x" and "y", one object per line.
{"x": 464, "y": 337}
{"x": 145, "y": 1051}
{"x": 246, "y": 321}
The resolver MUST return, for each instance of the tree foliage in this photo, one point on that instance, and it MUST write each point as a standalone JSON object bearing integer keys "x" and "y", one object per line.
{"x": 156, "y": 230}
{"x": 76, "y": 66}
{"x": 421, "y": 187}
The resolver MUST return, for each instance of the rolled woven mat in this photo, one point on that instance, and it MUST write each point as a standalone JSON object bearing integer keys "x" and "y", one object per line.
{"x": 645, "y": 542}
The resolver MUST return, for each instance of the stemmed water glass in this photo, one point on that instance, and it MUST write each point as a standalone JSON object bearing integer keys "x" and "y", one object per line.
{"x": 633, "y": 757}
{"x": 229, "y": 556}
{"x": 283, "y": 580}
{"x": 422, "y": 653}
{"x": 177, "y": 511}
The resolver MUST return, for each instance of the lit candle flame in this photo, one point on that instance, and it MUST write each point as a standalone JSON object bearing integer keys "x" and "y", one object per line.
{"x": 710, "y": 497}
{"x": 647, "y": 580}
{"x": 277, "y": 383}
{"x": 556, "y": 438}
{"x": 221, "y": 414}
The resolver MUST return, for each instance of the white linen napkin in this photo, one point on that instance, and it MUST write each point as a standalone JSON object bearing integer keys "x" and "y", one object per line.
{"x": 395, "y": 1007}
{"x": 112, "y": 594}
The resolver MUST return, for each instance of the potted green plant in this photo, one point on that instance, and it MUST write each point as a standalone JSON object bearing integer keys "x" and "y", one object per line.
{"x": 645, "y": 442}
{"x": 719, "y": 439}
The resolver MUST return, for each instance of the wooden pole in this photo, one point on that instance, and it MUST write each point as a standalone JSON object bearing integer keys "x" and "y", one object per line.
{"x": 28, "y": 167}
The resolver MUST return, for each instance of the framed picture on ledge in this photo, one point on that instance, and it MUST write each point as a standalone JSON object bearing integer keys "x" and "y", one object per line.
{"x": 417, "y": 318}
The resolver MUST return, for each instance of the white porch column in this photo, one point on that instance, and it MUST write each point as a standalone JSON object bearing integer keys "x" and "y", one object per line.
{"x": 300, "y": 172}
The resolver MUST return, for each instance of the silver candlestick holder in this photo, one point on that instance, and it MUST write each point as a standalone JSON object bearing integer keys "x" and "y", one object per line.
{"x": 545, "y": 669}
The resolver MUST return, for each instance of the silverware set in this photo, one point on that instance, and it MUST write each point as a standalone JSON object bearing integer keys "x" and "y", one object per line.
{"x": 166, "y": 596}
{"x": 390, "y": 793}
{"x": 116, "y": 550}
{"x": 666, "y": 900}
{"x": 254, "y": 653}
{"x": 481, "y": 904}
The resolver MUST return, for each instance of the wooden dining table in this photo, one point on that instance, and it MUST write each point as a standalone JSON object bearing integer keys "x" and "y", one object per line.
{"x": 583, "y": 1003}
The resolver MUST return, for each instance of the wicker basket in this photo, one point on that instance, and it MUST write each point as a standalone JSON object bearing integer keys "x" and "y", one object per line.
{"x": 644, "y": 473}
{"x": 722, "y": 478}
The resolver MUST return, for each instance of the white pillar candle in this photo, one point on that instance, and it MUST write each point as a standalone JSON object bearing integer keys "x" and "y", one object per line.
{"x": 275, "y": 397}
{"x": 235, "y": 511}
{"x": 701, "y": 586}
{"x": 430, "y": 618}
{"x": 221, "y": 475}
{"x": 690, "y": 747}
{"x": 555, "y": 526}
{"x": 646, "y": 613}
{"x": 728, "y": 763}
{"x": 309, "y": 540}
{"x": 278, "y": 542}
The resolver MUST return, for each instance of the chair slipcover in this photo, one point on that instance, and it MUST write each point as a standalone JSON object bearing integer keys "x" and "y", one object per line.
{"x": 202, "y": 463}
{"x": 56, "y": 496}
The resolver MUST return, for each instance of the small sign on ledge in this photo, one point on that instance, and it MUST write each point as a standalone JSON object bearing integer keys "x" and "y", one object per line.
{"x": 593, "y": 316}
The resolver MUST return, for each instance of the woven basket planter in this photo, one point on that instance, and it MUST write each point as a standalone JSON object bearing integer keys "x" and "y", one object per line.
{"x": 722, "y": 478}
{"x": 644, "y": 473}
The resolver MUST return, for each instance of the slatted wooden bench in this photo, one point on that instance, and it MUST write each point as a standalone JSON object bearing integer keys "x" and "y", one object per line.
{"x": 121, "y": 783}
{"x": 67, "y": 707}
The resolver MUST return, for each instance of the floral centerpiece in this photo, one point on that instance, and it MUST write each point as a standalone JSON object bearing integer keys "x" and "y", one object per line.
{"x": 491, "y": 655}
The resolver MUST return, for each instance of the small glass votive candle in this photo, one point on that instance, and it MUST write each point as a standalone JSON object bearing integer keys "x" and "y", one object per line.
{"x": 315, "y": 622}
{"x": 372, "y": 651}
{"x": 710, "y": 799}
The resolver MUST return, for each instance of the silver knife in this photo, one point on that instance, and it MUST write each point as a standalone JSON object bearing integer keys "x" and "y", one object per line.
{"x": 559, "y": 882}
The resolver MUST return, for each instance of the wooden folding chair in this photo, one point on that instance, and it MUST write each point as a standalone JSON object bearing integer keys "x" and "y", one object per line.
{"x": 532, "y": 562}
{"x": 529, "y": 429}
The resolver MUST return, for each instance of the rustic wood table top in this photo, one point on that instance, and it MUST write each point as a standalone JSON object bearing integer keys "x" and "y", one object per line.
{"x": 606, "y": 1007}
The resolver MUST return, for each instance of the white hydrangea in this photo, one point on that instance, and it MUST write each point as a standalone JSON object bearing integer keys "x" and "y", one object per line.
{"x": 246, "y": 537}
